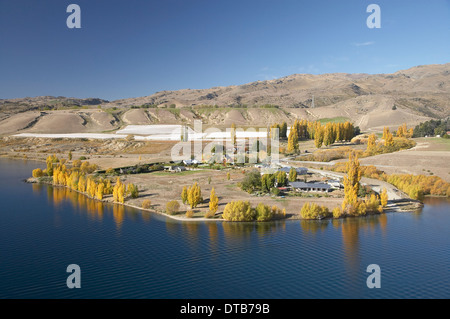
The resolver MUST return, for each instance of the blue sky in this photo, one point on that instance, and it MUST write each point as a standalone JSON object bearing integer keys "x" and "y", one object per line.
{"x": 136, "y": 48}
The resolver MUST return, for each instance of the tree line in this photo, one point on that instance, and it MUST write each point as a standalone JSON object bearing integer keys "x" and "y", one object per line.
{"x": 78, "y": 178}
{"x": 433, "y": 128}
{"x": 321, "y": 134}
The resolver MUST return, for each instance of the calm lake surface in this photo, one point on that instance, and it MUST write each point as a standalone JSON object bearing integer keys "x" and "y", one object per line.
{"x": 124, "y": 253}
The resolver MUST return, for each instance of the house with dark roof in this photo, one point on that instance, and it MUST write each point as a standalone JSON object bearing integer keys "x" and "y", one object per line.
{"x": 309, "y": 187}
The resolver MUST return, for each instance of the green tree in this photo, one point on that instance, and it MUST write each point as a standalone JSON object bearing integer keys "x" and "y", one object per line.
{"x": 281, "y": 179}
{"x": 267, "y": 182}
{"x": 251, "y": 181}
{"x": 283, "y": 130}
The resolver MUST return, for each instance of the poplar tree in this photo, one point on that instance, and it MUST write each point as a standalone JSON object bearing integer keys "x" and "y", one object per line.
{"x": 388, "y": 138}
{"x": 213, "y": 201}
{"x": 292, "y": 140}
{"x": 292, "y": 174}
{"x": 318, "y": 136}
{"x": 384, "y": 197}
{"x": 371, "y": 142}
{"x": 194, "y": 195}
{"x": 184, "y": 195}
{"x": 283, "y": 130}
{"x": 99, "y": 193}
{"x": 351, "y": 183}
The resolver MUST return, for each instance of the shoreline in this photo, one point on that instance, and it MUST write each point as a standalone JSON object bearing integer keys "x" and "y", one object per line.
{"x": 392, "y": 207}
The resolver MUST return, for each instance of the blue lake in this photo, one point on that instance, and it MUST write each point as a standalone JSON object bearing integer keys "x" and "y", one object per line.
{"x": 125, "y": 253}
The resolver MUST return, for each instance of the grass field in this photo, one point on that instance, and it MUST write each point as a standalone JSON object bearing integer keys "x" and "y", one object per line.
{"x": 339, "y": 119}
{"x": 184, "y": 173}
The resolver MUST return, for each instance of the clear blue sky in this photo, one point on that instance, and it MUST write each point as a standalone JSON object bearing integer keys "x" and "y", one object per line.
{"x": 136, "y": 48}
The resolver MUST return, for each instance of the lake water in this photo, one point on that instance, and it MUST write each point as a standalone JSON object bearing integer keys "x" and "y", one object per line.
{"x": 124, "y": 253}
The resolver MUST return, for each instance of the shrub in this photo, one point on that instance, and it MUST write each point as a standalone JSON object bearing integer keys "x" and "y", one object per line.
{"x": 275, "y": 191}
{"x": 190, "y": 214}
{"x": 209, "y": 214}
{"x": 110, "y": 171}
{"x": 172, "y": 207}
{"x": 252, "y": 181}
{"x": 263, "y": 213}
{"x": 37, "y": 172}
{"x": 314, "y": 211}
{"x": 146, "y": 203}
{"x": 76, "y": 163}
{"x": 337, "y": 212}
{"x": 238, "y": 211}
{"x": 133, "y": 190}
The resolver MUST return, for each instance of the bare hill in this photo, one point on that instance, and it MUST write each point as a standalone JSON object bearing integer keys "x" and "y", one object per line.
{"x": 370, "y": 101}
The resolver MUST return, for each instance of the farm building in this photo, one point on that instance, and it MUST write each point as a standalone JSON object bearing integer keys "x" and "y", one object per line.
{"x": 300, "y": 170}
{"x": 309, "y": 187}
{"x": 335, "y": 183}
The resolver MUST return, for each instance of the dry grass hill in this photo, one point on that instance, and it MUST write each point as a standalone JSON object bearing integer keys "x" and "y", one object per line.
{"x": 370, "y": 101}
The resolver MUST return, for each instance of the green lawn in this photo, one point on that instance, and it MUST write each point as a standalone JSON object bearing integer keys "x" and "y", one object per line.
{"x": 339, "y": 119}
{"x": 442, "y": 144}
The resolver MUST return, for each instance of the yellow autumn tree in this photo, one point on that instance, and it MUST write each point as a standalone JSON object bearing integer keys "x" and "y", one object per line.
{"x": 329, "y": 135}
{"x": 194, "y": 195}
{"x": 319, "y": 136}
{"x": 384, "y": 197}
{"x": 371, "y": 142}
{"x": 292, "y": 140}
{"x": 184, "y": 195}
{"x": 402, "y": 131}
{"x": 213, "y": 201}
{"x": 37, "y": 172}
{"x": 388, "y": 138}
{"x": 119, "y": 191}
{"x": 82, "y": 184}
{"x": 121, "y": 194}
{"x": 99, "y": 193}
{"x": 351, "y": 184}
